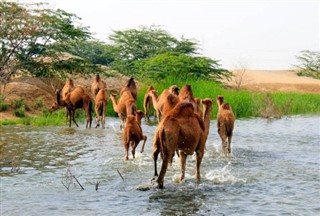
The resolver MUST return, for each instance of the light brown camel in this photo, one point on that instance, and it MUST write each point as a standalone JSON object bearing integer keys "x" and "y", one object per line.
{"x": 158, "y": 102}
{"x": 147, "y": 102}
{"x": 100, "y": 107}
{"x": 225, "y": 124}
{"x": 78, "y": 98}
{"x": 184, "y": 130}
{"x": 132, "y": 134}
{"x": 131, "y": 87}
{"x": 125, "y": 106}
{"x": 96, "y": 85}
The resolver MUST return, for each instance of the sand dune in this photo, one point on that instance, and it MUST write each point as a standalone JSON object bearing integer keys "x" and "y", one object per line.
{"x": 275, "y": 80}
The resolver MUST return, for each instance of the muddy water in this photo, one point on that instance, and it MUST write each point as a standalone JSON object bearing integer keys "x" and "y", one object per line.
{"x": 274, "y": 170}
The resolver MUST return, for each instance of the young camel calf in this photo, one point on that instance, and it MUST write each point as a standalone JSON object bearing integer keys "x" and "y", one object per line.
{"x": 225, "y": 124}
{"x": 132, "y": 134}
{"x": 100, "y": 107}
{"x": 184, "y": 130}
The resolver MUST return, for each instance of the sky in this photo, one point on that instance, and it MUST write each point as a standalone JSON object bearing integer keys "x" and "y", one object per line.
{"x": 250, "y": 34}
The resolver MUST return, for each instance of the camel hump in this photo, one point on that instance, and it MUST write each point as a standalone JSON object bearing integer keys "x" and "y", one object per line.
{"x": 183, "y": 109}
{"x": 186, "y": 92}
{"x": 226, "y": 106}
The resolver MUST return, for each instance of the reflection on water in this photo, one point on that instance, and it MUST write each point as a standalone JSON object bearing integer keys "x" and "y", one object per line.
{"x": 273, "y": 170}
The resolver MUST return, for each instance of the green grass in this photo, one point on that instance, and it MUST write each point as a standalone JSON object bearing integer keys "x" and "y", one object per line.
{"x": 244, "y": 103}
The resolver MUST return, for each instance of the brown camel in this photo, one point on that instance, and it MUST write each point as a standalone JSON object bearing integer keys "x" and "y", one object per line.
{"x": 225, "y": 124}
{"x": 185, "y": 130}
{"x": 147, "y": 102}
{"x": 131, "y": 87}
{"x": 132, "y": 134}
{"x": 67, "y": 88}
{"x": 158, "y": 102}
{"x": 125, "y": 106}
{"x": 100, "y": 107}
{"x": 78, "y": 98}
{"x": 97, "y": 84}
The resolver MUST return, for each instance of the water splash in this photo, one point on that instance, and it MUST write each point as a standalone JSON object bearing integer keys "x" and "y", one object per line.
{"x": 224, "y": 175}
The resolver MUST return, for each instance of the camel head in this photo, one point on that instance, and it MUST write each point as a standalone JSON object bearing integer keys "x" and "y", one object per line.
{"x": 220, "y": 99}
{"x": 54, "y": 106}
{"x": 150, "y": 88}
{"x": 174, "y": 90}
{"x": 139, "y": 114}
{"x": 153, "y": 92}
{"x": 69, "y": 82}
{"x": 97, "y": 78}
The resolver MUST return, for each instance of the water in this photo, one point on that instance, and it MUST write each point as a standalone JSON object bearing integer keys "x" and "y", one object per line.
{"x": 274, "y": 170}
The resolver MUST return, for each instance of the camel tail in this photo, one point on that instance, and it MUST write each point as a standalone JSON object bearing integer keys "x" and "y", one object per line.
{"x": 90, "y": 108}
{"x": 228, "y": 130}
{"x": 162, "y": 142}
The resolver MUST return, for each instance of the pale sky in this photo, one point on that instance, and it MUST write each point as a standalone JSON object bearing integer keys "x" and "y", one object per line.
{"x": 257, "y": 34}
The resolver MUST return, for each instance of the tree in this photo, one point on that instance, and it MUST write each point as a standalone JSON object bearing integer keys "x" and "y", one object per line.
{"x": 309, "y": 64}
{"x": 154, "y": 53}
{"x": 179, "y": 66}
{"x": 138, "y": 44}
{"x": 28, "y": 35}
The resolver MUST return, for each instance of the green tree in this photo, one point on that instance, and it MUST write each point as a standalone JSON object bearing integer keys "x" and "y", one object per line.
{"x": 154, "y": 53}
{"x": 93, "y": 51}
{"x": 309, "y": 64}
{"x": 180, "y": 66}
{"x": 28, "y": 34}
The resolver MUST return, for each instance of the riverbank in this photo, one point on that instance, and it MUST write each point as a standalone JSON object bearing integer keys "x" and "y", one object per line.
{"x": 261, "y": 93}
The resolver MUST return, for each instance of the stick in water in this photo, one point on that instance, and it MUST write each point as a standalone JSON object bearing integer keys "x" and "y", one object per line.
{"x": 78, "y": 182}
{"x": 120, "y": 175}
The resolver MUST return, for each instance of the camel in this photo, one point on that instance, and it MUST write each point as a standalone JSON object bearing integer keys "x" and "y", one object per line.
{"x": 125, "y": 106}
{"x": 67, "y": 88}
{"x": 147, "y": 102}
{"x": 100, "y": 107}
{"x": 132, "y": 134}
{"x": 185, "y": 130}
{"x": 97, "y": 84}
{"x": 78, "y": 98}
{"x": 158, "y": 102}
{"x": 131, "y": 87}
{"x": 225, "y": 124}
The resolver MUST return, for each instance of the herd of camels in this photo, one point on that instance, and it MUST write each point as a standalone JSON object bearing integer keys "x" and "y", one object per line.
{"x": 183, "y": 126}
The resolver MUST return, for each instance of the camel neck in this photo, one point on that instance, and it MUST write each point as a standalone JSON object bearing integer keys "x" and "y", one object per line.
{"x": 114, "y": 103}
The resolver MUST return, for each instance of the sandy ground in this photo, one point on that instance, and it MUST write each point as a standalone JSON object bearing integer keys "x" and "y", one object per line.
{"x": 274, "y": 80}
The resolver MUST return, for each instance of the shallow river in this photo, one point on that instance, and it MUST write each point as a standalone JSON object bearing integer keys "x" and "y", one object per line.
{"x": 274, "y": 170}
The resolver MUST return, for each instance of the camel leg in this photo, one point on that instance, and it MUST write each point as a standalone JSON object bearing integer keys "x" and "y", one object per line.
{"x": 229, "y": 144}
{"x": 103, "y": 121}
{"x": 163, "y": 171}
{"x": 144, "y": 142}
{"x": 198, "y": 163}
{"x": 126, "y": 149}
{"x": 133, "y": 147}
{"x": 183, "y": 158}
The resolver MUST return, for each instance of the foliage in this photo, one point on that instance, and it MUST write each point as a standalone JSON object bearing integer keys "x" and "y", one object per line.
{"x": 180, "y": 66}
{"x": 93, "y": 51}
{"x": 27, "y": 35}
{"x": 150, "y": 52}
{"x": 309, "y": 64}
{"x": 3, "y": 104}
